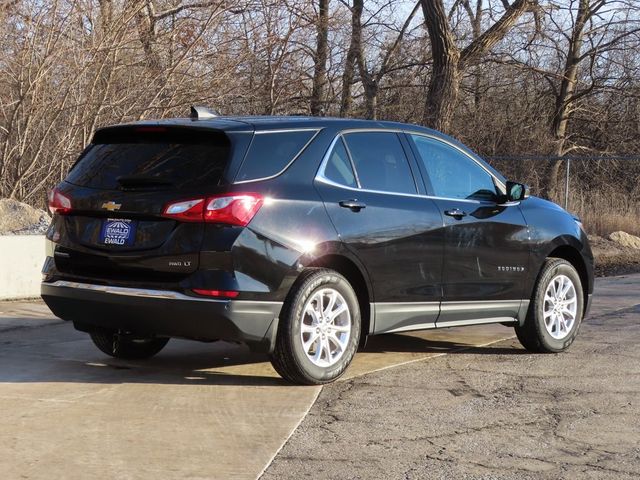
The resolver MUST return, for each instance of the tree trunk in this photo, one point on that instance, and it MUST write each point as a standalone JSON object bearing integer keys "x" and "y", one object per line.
{"x": 106, "y": 16}
{"x": 569, "y": 79}
{"x": 564, "y": 100}
{"x": 368, "y": 80}
{"x": 476, "y": 28}
{"x": 445, "y": 78}
{"x": 147, "y": 34}
{"x": 352, "y": 56}
{"x": 320, "y": 70}
{"x": 371, "y": 98}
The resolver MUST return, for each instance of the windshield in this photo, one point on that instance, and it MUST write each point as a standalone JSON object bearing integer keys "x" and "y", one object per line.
{"x": 160, "y": 160}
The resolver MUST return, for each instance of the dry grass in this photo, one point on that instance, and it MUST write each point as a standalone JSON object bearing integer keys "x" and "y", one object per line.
{"x": 604, "y": 193}
{"x": 603, "y": 225}
{"x": 602, "y": 214}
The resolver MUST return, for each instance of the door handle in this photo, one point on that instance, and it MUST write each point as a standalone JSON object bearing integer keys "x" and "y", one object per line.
{"x": 353, "y": 205}
{"x": 455, "y": 213}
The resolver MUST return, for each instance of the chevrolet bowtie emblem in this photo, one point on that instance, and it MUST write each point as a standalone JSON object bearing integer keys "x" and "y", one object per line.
{"x": 111, "y": 206}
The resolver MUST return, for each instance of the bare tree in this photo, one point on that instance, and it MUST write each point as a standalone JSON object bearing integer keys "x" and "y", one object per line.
{"x": 568, "y": 92}
{"x": 567, "y": 82}
{"x": 449, "y": 62}
{"x": 320, "y": 60}
{"x": 352, "y": 55}
{"x": 370, "y": 76}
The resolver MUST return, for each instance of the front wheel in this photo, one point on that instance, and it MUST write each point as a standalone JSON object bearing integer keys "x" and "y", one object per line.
{"x": 555, "y": 311}
{"x": 319, "y": 329}
{"x": 126, "y": 346}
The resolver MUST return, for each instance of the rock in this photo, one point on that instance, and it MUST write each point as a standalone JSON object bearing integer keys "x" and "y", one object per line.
{"x": 17, "y": 218}
{"x": 625, "y": 239}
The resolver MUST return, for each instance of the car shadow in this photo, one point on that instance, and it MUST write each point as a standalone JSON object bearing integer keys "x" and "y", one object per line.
{"x": 400, "y": 343}
{"x": 185, "y": 363}
{"x": 74, "y": 359}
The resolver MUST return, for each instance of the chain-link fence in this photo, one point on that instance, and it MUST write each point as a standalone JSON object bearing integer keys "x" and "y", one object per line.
{"x": 603, "y": 191}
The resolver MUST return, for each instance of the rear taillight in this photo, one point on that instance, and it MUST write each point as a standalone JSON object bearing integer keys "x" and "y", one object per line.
{"x": 236, "y": 209}
{"x": 59, "y": 203}
{"x": 187, "y": 210}
{"x": 231, "y": 209}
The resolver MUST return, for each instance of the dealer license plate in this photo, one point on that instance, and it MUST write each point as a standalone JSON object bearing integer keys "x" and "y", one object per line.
{"x": 118, "y": 231}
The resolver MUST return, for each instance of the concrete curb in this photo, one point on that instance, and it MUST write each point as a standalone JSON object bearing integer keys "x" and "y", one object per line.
{"x": 21, "y": 259}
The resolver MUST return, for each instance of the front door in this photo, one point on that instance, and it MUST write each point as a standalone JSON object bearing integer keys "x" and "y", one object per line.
{"x": 486, "y": 249}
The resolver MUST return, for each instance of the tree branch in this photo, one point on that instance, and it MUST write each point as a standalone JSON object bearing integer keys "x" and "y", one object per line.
{"x": 396, "y": 43}
{"x": 485, "y": 42}
{"x": 173, "y": 11}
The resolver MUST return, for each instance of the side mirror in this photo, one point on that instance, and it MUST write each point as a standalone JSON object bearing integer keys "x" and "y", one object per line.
{"x": 517, "y": 192}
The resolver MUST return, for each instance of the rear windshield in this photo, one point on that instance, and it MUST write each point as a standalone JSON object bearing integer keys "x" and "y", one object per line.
{"x": 143, "y": 158}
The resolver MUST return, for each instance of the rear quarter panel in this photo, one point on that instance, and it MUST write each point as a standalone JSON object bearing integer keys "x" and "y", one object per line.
{"x": 290, "y": 231}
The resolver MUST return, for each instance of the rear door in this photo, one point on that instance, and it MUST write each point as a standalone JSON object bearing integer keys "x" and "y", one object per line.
{"x": 119, "y": 188}
{"x": 486, "y": 251}
{"x": 372, "y": 197}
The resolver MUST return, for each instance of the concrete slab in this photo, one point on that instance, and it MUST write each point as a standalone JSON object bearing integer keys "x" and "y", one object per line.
{"x": 195, "y": 411}
{"x": 20, "y": 264}
{"x": 69, "y": 411}
{"x": 25, "y": 314}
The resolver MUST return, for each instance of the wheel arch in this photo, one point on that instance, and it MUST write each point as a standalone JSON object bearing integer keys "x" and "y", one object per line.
{"x": 573, "y": 256}
{"x": 356, "y": 277}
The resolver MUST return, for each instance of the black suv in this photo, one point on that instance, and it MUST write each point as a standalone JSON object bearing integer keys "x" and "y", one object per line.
{"x": 302, "y": 236}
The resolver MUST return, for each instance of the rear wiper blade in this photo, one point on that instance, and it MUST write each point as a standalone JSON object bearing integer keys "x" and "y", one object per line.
{"x": 141, "y": 181}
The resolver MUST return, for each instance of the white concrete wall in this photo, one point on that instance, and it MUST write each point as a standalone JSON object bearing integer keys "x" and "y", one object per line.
{"x": 21, "y": 259}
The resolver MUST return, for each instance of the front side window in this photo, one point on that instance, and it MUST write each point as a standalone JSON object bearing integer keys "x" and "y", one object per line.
{"x": 452, "y": 173}
{"x": 271, "y": 152}
{"x": 380, "y": 162}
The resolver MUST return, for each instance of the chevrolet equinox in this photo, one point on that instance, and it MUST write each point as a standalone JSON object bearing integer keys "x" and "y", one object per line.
{"x": 302, "y": 236}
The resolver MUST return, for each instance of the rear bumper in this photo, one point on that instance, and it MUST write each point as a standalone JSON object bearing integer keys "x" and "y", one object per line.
{"x": 164, "y": 313}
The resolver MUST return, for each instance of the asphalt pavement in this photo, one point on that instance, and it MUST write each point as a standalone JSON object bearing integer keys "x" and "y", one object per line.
{"x": 494, "y": 412}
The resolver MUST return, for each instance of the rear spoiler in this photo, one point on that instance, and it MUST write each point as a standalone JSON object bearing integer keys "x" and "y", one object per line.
{"x": 158, "y": 133}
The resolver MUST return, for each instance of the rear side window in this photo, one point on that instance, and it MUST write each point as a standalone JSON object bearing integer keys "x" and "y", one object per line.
{"x": 338, "y": 168}
{"x": 271, "y": 152}
{"x": 380, "y": 162}
{"x": 146, "y": 158}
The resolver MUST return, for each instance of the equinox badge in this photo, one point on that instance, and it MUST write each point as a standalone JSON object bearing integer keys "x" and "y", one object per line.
{"x": 111, "y": 205}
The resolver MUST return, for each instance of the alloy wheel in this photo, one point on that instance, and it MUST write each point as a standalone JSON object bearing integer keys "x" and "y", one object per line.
{"x": 560, "y": 307}
{"x": 325, "y": 327}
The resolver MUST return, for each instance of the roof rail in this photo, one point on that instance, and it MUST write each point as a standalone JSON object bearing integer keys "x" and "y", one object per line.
{"x": 202, "y": 113}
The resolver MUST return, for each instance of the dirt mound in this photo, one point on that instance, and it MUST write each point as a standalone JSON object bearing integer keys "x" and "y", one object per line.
{"x": 626, "y": 240}
{"x": 17, "y": 218}
{"x": 612, "y": 258}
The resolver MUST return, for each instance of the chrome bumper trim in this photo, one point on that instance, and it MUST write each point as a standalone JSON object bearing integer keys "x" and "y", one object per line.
{"x": 144, "y": 293}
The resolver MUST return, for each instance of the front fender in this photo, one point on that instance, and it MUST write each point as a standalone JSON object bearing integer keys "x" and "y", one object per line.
{"x": 554, "y": 232}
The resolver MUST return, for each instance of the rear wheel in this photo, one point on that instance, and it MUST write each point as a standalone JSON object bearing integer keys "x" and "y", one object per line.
{"x": 319, "y": 329}
{"x": 127, "y": 346}
{"x": 555, "y": 311}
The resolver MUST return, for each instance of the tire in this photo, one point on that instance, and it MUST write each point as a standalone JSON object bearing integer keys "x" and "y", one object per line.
{"x": 552, "y": 323}
{"x": 314, "y": 343}
{"x": 126, "y": 346}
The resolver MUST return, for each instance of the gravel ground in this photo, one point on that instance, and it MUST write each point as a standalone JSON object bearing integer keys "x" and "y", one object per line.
{"x": 485, "y": 413}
